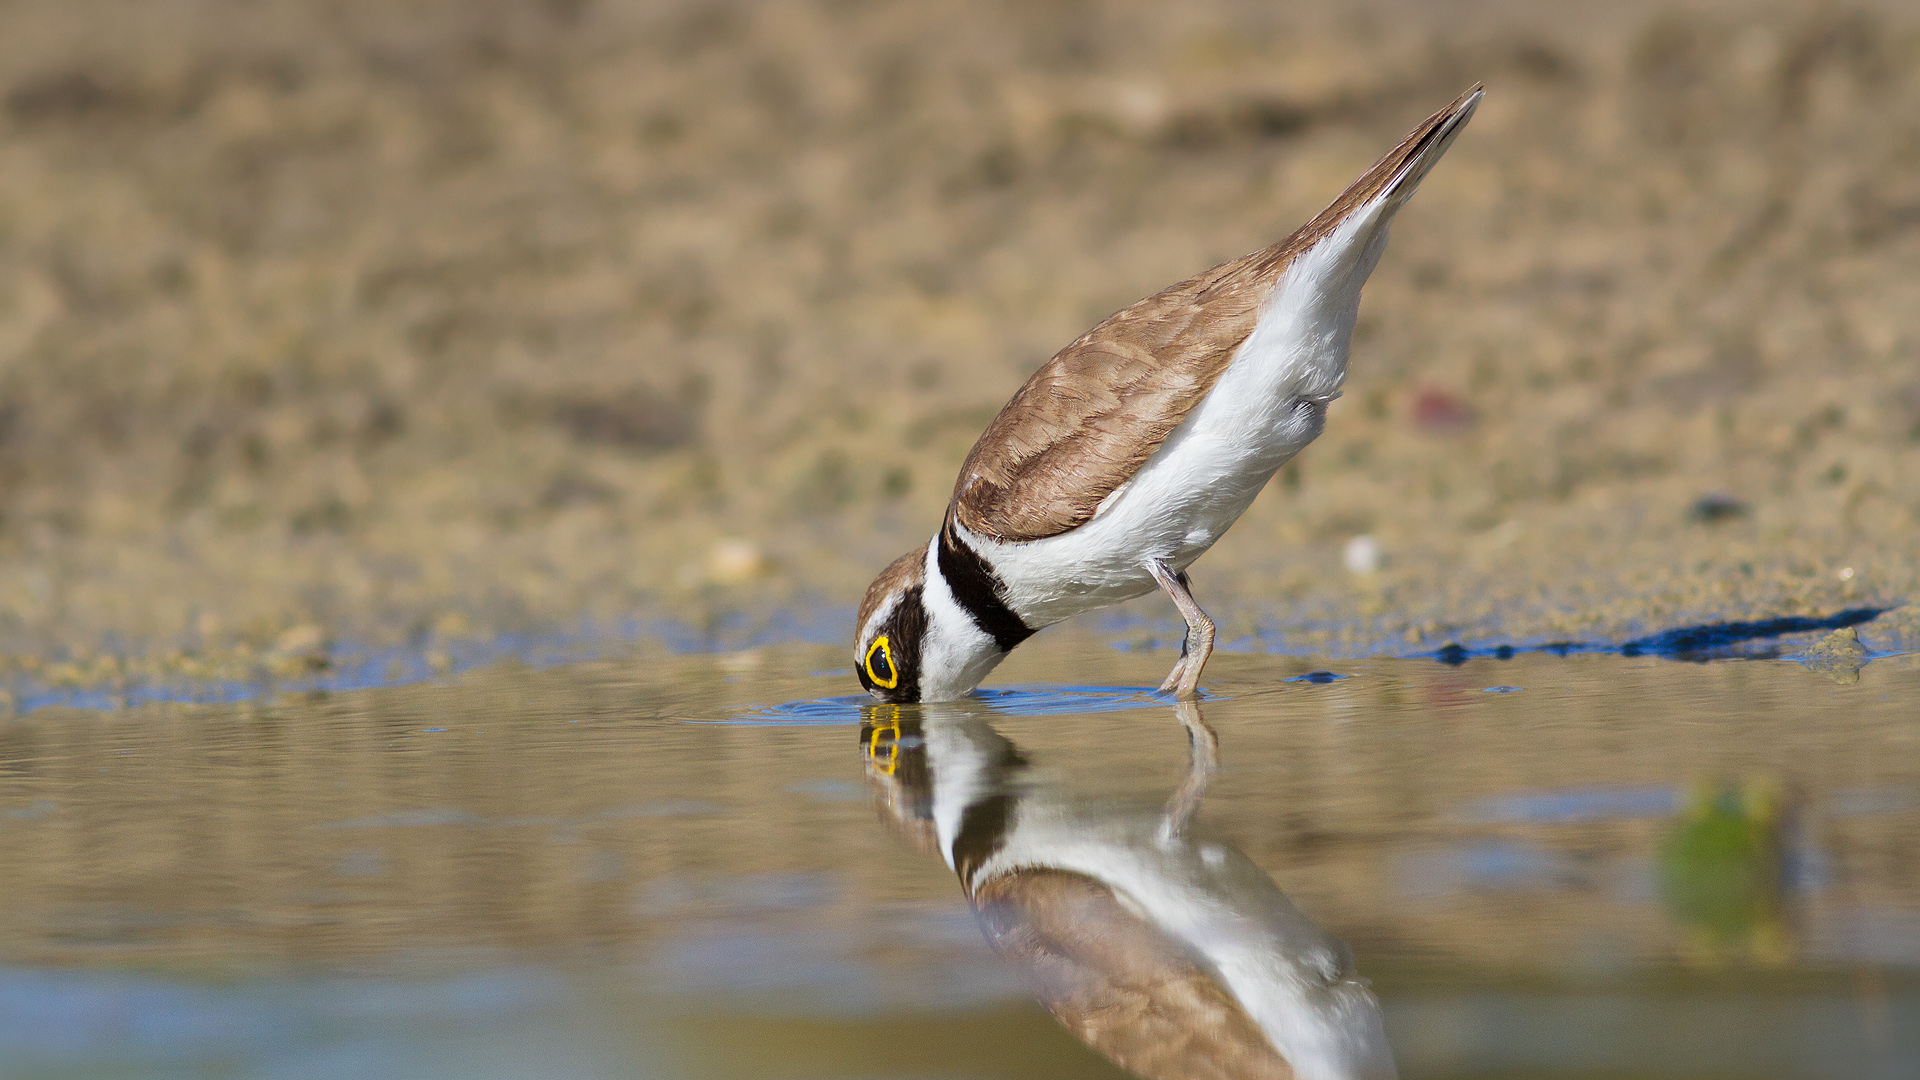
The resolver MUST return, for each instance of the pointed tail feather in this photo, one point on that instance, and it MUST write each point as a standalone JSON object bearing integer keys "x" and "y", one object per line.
{"x": 1395, "y": 176}
{"x": 1408, "y": 164}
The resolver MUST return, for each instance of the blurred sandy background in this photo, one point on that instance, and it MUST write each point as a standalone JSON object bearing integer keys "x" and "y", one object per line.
{"x": 420, "y": 320}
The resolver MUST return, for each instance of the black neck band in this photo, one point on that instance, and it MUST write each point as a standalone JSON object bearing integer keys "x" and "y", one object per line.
{"x": 983, "y": 832}
{"x": 979, "y": 590}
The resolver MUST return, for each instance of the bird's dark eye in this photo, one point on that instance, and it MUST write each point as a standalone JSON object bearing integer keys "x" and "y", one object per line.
{"x": 880, "y": 664}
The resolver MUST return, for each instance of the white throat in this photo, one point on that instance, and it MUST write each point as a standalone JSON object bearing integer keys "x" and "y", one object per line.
{"x": 956, "y": 654}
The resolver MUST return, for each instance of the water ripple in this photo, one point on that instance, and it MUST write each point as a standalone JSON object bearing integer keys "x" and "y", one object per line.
{"x": 1005, "y": 700}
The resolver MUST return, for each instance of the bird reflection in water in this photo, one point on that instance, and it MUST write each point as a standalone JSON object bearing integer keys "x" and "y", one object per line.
{"x": 1168, "y": 952}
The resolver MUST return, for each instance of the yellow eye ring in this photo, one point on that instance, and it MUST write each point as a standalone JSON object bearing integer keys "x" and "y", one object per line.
{"x": 884, "y": 746}
{"x": 881, "y": 646}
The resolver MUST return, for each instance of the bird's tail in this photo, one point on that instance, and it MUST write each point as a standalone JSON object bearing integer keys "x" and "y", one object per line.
{"x": 1400, "y": 171}
{"x": 1387, "y": 185}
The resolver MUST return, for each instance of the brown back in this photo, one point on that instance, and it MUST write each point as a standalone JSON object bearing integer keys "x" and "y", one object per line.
{"x": 1094, "y": 413}
{"x": 1118, "y": 984}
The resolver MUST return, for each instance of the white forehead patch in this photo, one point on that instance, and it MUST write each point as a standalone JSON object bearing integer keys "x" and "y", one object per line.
{"x": 874, "y": 621}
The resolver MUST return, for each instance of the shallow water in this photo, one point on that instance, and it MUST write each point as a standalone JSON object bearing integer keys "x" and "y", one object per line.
{"x": 673, "y": 866}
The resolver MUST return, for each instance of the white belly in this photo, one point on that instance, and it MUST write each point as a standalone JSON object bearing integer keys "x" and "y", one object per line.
{"x": 1182, "y": 500}
{"x": 1269, "y": 403}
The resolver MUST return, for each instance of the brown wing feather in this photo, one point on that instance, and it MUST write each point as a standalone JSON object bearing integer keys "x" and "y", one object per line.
{"x": 1094, "y": 413}
{"x": 1118, "y": 984}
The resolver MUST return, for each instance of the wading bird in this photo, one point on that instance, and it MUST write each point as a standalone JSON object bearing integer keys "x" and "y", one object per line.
{"x": 1134, "y": 448}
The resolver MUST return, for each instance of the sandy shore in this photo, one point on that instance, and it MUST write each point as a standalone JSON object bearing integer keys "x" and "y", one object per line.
{"x": 329, "y": 322}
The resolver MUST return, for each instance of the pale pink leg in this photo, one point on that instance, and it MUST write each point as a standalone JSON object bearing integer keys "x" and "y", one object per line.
{"x": 1184, "y": 679}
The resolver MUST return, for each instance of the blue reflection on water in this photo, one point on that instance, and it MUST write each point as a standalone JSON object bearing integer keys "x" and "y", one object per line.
{"x": 1600, "y": 803}
{"x": 1006, "y": 700}
{"x": 498, "y": 1023}
{"x": 353, "y": 665}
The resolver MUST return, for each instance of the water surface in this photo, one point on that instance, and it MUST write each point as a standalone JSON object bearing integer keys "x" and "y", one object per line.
{"x": 663, "y": 866}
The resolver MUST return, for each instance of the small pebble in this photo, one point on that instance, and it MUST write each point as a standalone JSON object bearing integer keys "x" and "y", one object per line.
{"x": 733, "y": 560}
{"x": 1839, "y": 656}
{"x": 1362, "y": 555}
{"x": 1717, "y": 506}
{"x": 1439, "y": 411}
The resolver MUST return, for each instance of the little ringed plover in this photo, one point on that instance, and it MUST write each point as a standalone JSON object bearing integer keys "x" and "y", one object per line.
{"x": 1134, "y": 448}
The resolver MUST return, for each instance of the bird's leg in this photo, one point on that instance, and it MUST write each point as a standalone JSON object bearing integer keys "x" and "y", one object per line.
{"x": 1186, "y": 640}
{"x": 1184, "y": 679}
{"x": 1203, "y": 757}
{"x": 1179, "y": 665}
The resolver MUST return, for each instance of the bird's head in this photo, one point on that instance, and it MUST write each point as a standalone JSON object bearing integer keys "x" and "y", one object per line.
{"x": 914, "y": 643}
{"x": 892, "y": 630}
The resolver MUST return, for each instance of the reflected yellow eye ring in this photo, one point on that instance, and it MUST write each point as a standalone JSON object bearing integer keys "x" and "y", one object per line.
{"x": 883, "y": 749}
{"x": 885, "y": 650}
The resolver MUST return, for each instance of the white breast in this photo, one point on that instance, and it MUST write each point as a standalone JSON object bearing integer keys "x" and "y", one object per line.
{"x": 1269, "y": 403}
